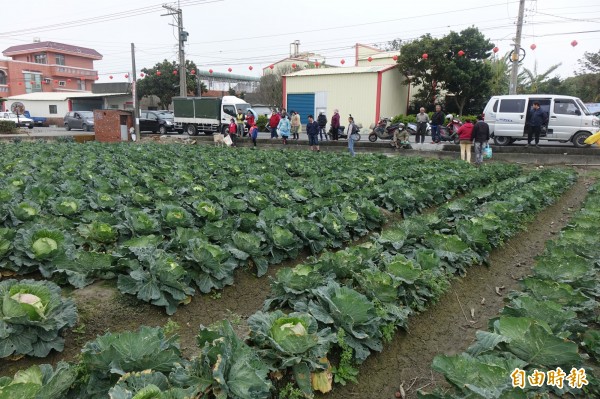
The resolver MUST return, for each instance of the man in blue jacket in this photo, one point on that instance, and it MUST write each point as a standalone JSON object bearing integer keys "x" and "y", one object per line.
{"x": 537, "y": 119}
{"x": 312, "y": 130}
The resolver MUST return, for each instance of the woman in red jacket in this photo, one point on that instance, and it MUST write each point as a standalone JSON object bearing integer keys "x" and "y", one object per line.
{"x": 465, "y": 136}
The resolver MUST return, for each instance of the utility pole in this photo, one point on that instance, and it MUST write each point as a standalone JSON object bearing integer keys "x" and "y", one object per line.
{"x": 182, "y": 39}
{"x": 136, "y": 103}
{"x": 517, "y": 51}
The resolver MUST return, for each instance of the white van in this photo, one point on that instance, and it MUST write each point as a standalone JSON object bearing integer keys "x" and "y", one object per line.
{"x": 568, "y": 118}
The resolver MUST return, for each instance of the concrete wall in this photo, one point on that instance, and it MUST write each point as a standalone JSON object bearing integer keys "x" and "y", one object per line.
{"x": 350, "y": 93}
{"x": 42, "y": 108}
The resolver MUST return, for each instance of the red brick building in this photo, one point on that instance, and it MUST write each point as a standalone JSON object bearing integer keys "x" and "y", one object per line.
{"x": 47, "y": 67}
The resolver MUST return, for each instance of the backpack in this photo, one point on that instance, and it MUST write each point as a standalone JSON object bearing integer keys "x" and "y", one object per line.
{"x": 355, "y": 129}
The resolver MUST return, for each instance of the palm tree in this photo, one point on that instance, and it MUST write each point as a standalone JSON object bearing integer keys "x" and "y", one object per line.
{"x": 531, "y": 81}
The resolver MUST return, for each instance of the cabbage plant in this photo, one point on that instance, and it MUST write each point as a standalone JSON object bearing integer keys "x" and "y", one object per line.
{"x": 39, "y": 382}
{"x": 33, "y": 316}
{"x": 39, "y": 245}
{"x": 294, "y": 341}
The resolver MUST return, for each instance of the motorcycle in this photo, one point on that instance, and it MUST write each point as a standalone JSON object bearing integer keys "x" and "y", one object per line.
{"x": 450, "y": 131}
{"x": 342, "y": 133}
{"x": 411, "y": 127}
{"x": 382, "y": 131}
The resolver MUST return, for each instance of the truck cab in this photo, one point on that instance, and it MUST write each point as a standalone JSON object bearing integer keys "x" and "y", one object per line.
{"x": 206, "y": 114}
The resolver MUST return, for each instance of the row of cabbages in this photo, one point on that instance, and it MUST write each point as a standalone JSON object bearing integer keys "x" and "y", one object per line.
{"x": 326, "y": 316}
{"x": 551, "y": 323}
{"x": 178, "y": 219}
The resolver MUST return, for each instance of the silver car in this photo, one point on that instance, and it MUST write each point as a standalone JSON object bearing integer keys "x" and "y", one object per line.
{"x": 79, "y": 120}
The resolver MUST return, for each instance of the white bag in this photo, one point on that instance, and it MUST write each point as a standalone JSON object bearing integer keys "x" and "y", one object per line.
{"x": 228, "y": 141}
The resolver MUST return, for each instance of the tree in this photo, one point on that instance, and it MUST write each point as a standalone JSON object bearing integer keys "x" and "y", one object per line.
{"x": 589, "y": 64}
{"x": 392, "y": 45}
{"x": 270, "y": 87}
{"x": 166, "y": 84}
{"x": 532, "y": 82}
{"x": 465, "y": 78}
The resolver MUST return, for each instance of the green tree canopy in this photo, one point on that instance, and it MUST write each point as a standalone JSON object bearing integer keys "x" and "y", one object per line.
{"x": 465, "y": 78}
{"x": 166, "y": 84}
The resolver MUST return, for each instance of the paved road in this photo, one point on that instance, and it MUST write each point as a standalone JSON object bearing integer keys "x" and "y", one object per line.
{"x": 59, "y": 131}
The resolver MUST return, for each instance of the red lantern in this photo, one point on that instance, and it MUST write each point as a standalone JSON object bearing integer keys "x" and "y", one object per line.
{"x": 574, "y": 43}
{"x": 210, "y": 71}
{"x": 533, "y": 46}
{"x": 43, "y": 82}
{"x": 193, "y": 71}
{"x": 294, "y": 66}
{"x": 395, "y": 58}
{"x": 175, "y": 72}
{"x": 56, "y": 82}
{"x": 250, "y": 67}
{"x": 97, "y": 77}
{"x": 425, "y": 56}
{"x": 342, "y": 61}
{"x": 69, "y": 80}
{"x": 495, "y": 50}
{"x": 461, "y": 53}
{"x": 229, "y": 69}
{"x": 158, "y": 73}
{"x": 142, "y": 75}
{"x": 317, "y": 64}
{"x": 110, "y": 77}
{"x": 370, "y": 59}
{"x": 271, "y": 66}
{"x": 20, "y": 83}
{"x": 126, "y": 76}
{"x": 32, "y": 82}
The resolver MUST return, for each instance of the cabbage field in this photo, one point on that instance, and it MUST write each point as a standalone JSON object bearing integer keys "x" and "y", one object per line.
{"x": 354, "y": 248}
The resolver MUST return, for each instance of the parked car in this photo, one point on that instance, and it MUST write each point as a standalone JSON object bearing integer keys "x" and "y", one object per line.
{"x": 79, "y": 120}
{"x": 261, "y": 109}
{"x": 20, "y": 121}
{"x": 156, "y": 121}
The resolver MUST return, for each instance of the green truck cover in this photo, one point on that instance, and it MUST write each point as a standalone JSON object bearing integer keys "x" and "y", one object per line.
{"x": 197, "y": 107}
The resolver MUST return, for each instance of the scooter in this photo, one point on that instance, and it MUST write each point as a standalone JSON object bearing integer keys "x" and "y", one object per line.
{"x": 384, "y": 132}
{"x": 450, "y": 131}
{"x": 342, "y": 133}
{"x": 412, "y": 129}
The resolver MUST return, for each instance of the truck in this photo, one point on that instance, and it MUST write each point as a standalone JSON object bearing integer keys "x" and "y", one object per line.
{"x": 19, "y": 120}
{"x": 37, "y": 120}
{"x": 206, "y": 115}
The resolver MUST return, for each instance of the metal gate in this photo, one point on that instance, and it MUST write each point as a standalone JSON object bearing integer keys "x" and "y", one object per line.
{"x": 304, "y": 104}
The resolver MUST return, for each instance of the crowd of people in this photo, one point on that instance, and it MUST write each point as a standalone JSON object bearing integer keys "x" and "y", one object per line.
{"x": 281, "y": 124}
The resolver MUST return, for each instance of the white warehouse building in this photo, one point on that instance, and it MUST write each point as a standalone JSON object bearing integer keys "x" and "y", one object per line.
{"x": 369, "y": 90}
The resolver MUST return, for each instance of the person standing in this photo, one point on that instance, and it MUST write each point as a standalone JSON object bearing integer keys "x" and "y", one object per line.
{"x": 250, "y": 120}
{"x": 322, "y": 121}
{"x": 240, "y": 122}
{"x": 335, "y": 124}
{"x": 273, "y": 122}
{"x": 437, "y": 120}
{"x": 465, "y": 134}
{"x": 481, "y": 136}
{"x": 312, "y": 130}
{"x": 233, "y": 132}
{"x": 284, "y": 128}
{"x": 295, "y": 125}
{"x": 537, "y": 118}
{"x": 253, "y": 133}
{"x": 351, "y": 130}
{"x": 422, "y": 119}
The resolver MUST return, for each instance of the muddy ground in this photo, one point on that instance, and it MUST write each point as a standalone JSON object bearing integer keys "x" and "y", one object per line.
{"x": 443, "y": 328}
{"x": 447, "y": 327}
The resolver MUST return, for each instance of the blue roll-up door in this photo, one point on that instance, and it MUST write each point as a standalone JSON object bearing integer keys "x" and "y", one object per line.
{"x": 304, "y": 104}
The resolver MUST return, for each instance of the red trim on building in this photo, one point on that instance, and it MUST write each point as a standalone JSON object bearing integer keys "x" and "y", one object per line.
{"x": 378, "y": 99}
{"x": 356, "y": 54}
{"x": 70, "y": 105}
{"x": 284, "y": 96}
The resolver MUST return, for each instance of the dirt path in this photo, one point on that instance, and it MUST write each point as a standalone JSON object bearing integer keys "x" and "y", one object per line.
{"x": 443, "y": 328}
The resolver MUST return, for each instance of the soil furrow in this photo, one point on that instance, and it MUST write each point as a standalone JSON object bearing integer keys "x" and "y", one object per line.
{"x": 445, "y": 328}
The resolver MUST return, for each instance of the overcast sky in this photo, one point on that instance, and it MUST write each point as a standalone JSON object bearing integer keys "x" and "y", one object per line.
{"x": 241, "y": 33}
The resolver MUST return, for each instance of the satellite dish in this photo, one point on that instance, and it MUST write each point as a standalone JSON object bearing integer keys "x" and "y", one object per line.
{"x": 17, "y": 108}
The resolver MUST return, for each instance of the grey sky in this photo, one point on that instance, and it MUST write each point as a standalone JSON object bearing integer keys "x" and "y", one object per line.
{"x": 240, "y": 33}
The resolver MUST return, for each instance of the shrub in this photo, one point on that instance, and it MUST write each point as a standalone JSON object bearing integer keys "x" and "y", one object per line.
{"x": 261, "y": 123}
{"x": 8, "y": 127}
